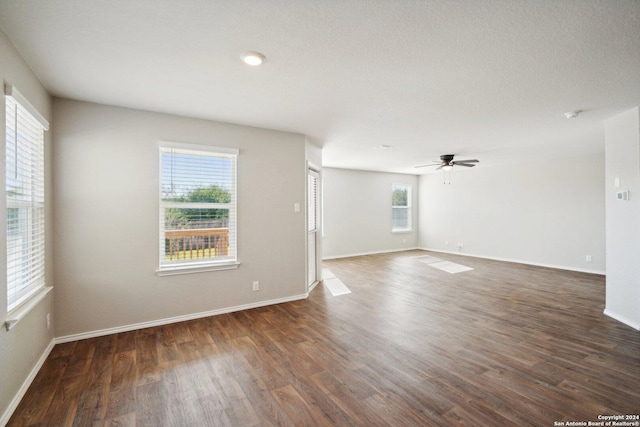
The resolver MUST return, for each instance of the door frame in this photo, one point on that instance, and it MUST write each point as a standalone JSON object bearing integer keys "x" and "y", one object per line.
{"x": 313, "y": 170}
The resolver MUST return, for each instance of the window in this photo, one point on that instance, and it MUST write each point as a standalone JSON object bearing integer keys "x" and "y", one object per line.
{"x": 24, "y": 188}
{"x": 197, "y": 207}
{"x": 400, "y": 207}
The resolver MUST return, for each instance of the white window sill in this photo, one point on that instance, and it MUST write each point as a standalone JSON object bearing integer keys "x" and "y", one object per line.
{"x": 190, "y": 269}
{"x": 19, "y": 313}
{"x": 402, "y": 231}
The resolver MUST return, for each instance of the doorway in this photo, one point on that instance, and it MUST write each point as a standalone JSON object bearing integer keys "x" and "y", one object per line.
{"x": 313, "y": 226}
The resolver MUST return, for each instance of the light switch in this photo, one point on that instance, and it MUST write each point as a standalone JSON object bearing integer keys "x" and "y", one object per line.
{"x": 296, "y": 207}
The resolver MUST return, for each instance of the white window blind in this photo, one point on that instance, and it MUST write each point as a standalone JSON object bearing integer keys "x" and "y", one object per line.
{"x": 312, "y": 200}
{"x": 24, "y": 186}
{"x": 198, "y": 225}
{"x": 400, "y": 207}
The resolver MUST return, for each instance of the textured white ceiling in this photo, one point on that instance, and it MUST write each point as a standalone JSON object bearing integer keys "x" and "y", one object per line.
{"x": 482, "y": 79}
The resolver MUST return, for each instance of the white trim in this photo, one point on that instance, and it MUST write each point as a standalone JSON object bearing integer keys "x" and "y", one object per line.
{"x": 196, "y": 205}
{"x": 190, "y": 268}
{"x": 228, "y": 262}
{"x": 26, "y": 384}
{"x": 402, "y": 231}
{"x": 557, "y": 267}
{"x": 169, "y": 320}
{"x": 10, "y": 90}
{"x": 198, "y": 147}
{"x": 317, "y": 232}
{"x": 18, "y": 313}
{"x": 517, "y": 261}
{"x": 388, "y": 251}
{"x": 622, "y": 319}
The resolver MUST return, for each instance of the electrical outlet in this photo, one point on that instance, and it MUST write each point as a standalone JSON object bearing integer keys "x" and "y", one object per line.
{"x": 404, "y": 240}
{"x": 256, "y": 286}
{"x": 446, "y": 242}
{"x": 48, "y": 320}
{"x": 589, "y": 258}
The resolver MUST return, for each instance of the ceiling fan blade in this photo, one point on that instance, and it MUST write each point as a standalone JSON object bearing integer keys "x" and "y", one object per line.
{"x": 465, "y": 163}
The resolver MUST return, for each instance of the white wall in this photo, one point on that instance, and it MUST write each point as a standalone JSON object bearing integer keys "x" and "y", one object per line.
{"x": 538, "y": 213}
{"x": 22, "y": 347}
{"x": 106, "y": 218}
{"x": 622, "y": 152}
{"x": 357, "y": 212}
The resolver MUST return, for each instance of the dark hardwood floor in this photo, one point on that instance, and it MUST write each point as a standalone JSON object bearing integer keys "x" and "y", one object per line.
{"x": 504, "y": 344}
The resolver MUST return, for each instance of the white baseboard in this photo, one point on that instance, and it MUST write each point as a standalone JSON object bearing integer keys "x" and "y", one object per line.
{"x": 75, "y": 337}
{"x": 169, "y": 320}
{"x": 25, "y": 385}
{"x": 557, "y": 267}
{"x": 370, "y": 253}
{"x": 622, "y": 319}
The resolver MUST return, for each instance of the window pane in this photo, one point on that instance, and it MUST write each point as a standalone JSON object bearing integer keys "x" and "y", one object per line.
{"x": 189, "y": 218}
{"x": 195, "y": 234}
{"x": 400, "y": 218}
{"x": 400, "y": 207}
{"x": 191, "y": 178}
{"x": 399, "y": 195}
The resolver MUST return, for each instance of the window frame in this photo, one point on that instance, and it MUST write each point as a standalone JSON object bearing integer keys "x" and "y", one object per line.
{"x": 31, "y": 125}
{"x": 195, "y": 266}
{"x": 409, "y": 227}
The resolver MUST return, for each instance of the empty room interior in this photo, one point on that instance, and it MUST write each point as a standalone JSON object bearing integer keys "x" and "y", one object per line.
{"x": 313, "y": 212}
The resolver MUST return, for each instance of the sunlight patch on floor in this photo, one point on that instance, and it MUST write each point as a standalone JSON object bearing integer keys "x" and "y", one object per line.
{"x": 333, "y": 284}
{"x": 448, "y": 266}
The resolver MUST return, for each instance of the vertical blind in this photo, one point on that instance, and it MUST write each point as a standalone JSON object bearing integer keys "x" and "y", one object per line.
{"x": 24, "y": 186}
{"x": 197, "y": 205}
{"x": 312, "y": 200}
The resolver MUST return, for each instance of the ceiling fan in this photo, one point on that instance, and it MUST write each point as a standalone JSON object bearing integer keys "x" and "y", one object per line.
{"x": 447, "y": 163}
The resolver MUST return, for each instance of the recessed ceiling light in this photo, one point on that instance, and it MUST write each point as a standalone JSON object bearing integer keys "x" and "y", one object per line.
{"x": 253, "y": 58}
{"x": 384, "y": 147}
{"x": 572, "y": 114}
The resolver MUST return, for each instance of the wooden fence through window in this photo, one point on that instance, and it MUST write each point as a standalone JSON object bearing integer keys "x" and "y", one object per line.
{"x": 197, "y": 243}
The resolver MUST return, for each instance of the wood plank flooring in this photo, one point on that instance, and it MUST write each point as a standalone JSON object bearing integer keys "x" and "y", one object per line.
{"x": 504, "y": 344}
